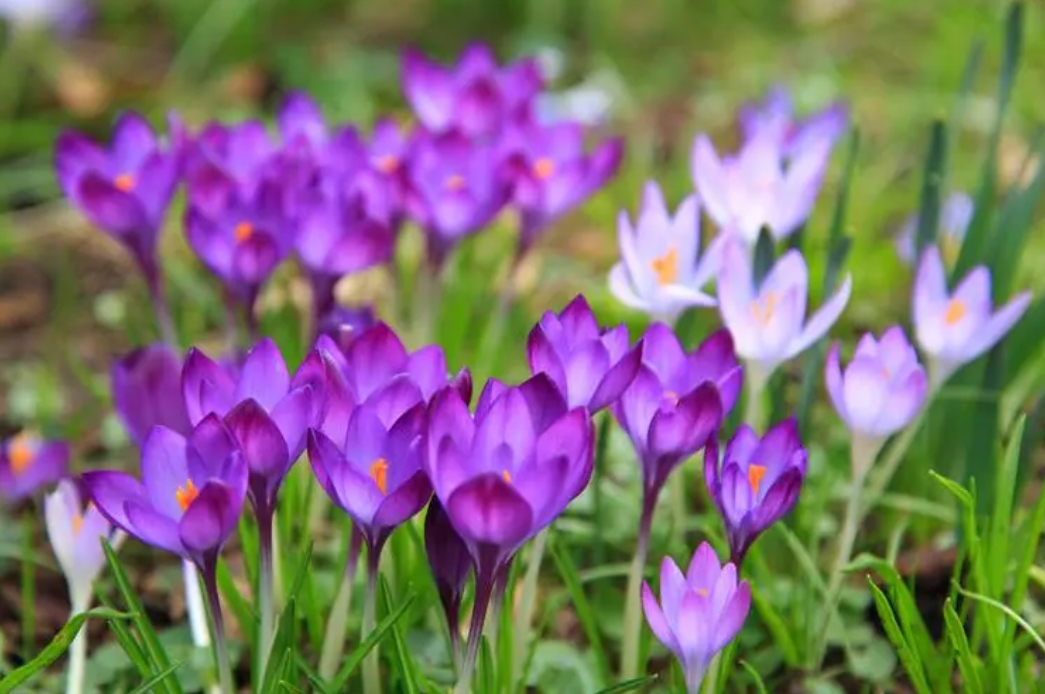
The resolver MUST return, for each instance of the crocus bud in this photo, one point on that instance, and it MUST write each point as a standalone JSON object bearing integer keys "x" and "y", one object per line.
{"x": 146, "y": 389}
{"x": 76, "y": 536}
{"x": 450, "y": 563}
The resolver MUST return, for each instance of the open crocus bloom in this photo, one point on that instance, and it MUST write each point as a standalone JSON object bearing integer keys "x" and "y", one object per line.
{"x": 699, "y": 612}
{"x": 955, "y": 214}
{"x": 955, "y": 328}
{"x": 768, "y": 323}
{"x": 775, "y": 118}
{"x": 659, "y": 271}
{"x": 756, "y": 483}
{"x": 28, "y": 463}
{"x": 76, "y": 533}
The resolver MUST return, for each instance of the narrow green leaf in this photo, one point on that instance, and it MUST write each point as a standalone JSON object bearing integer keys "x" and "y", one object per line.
{"x": 284, "y": 641}
{"x": 377, "y": 636}
{"x": 1008, "y": 612}
{"x": 963, "y": 653}
{"x": 1026, "y": 551}
{"x": 1001, "y": 523}
{"x": 629, "y": 685}
{"x": 315, "y": 681}
{"x": 406, "y": 663}
{"x": 760, "y": 686}
{"x": 581, "y": 606}
{"x": 960, "y": 493}
{"x": 148, "y": 685}
{"x": 1015, "y": 220}
{"x": 1024, "y": 342}
{"x": 238, "y": 606}
{"x": 127, "y": 641}
{"x": 908, "y": 656}
{"x": 28, "y": 572}
{"x": 288, "y": 687}
{"x": 935, "y": 168}
{"x": 764, "y": 254}
{"x": 777, "y": 627}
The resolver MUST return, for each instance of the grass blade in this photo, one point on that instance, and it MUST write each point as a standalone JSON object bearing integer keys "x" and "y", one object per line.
{"x": 1008, "y": 612}
{"x": 760, "y": 686}
{"x": 582, "y": 607}
{"x": 935, "y": 169}
{"x": 149, "y": 684}
{"x": 908, "y": 656}
{"x": 406, "y": 664}
{"x": 629, "y": 685}
{"x": 963, "y": 653}
{"x": 375, "y": 637}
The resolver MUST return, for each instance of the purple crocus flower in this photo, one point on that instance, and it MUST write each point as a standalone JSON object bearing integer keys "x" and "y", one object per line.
{"x": 455, "y": 191}
{"x": 955, "y": 215}
{"x": 954, "y": 328}
{"x": 774, "y": 118}
{"x": 699, "y": 613}
{"x": 450, "y": 563}
{"x": 224, "y": 162}
{"x": 675, "y": 405}
{"x": 590, "y": 366}
{"x": 28, "y": 463}
{"x": 342, "y": 324}
{"x": 768, "y": 322}
{"x": 882, "y": 388}
{"x": 76, "y": 534}
{"x": 124, "y": 190}
{"x": 189, "y": 499}
{"x": 756, "y": 483}
{"x": 551, "y": 173}
{"x": 64, "y": 15}
{"x": 475, "y": 97}
{"x": 146, "y": 390}
{"x": 504, "y": 474}
{"x": 659, "y": 271}
{"x": 754, "y": 188}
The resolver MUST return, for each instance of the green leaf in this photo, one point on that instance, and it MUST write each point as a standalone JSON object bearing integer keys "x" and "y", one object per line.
{"x": 1000, "y": 529}
{"x": 935, "y": 168}
{"x": 288, "y": 687}
{"x": 54, "y": 650}
{"x": 629, "y": 685}
{"x": 377, "y": 636}
{"x": 581, "y": 606}
{"x": 778, "y": 629}
{"x": 148, "y": 685}
{"x": 238, "y": 606}
{"x": 760, "y": 686}
{"x": 908, "y": 655}
{"x": 406, "y": 664}
{"x": 1008, "y": 612}
{"x": 764, "y": 254}
{"x": 963, "y": 653}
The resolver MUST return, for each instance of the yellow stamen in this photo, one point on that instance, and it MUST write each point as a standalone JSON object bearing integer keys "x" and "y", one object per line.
{"x": 763, "y": 308}
{"x": 379, "y": 473}
{"x": 755, "y": 473}
{"x": 666, "y": 267}
{"x": 507, "y": 476}
{"x": 243, "y": 232}
{"x": 956, "y": 310}
{"x": 125, "y": 183}
{"x": 186, "y": 495}
{"x": 671, "y": 396}
{"x": 543, "y": 168}
{"x": 77, "y": 523}
{"x": 454, "y": 182}
{"x": 387, "y": 163}
{"x": 702, "y": 592}
{"x": 21, "y": 452}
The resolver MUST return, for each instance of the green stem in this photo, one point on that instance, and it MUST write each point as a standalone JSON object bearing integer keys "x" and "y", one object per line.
{"x": 265, "y": 590}
{"x": 755, "y": 380}
{"x": 633, "y": 600}
{"x": 28, "y": 587}
{"x": 426, "y": 303}
{"x": 527, "y": 603}
{"x": 334, "y": 638}
{"x": 372, "y": 662}
{"x": 210, "y": 581}
{"x": 711, "y": 686}
{"x": 77, "y": 654}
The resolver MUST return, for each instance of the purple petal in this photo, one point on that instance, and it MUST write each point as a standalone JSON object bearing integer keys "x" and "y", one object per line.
{"x": 110, "y": 491}
{"x": 152, "y": 527}
{"x": 293, "y": 415}
{"x": 657, "y": 623}
{"x": 998, "y": 325}
{"x": 616, "y": 380}
{"x": 264, "y": 450}
{"x": 487, "y": 509}
{"x": 206, "y": 387}
{"x": 733, "y": 618}
{"x": 404, "y": 502}
{"x": 211, "y": 518}
{"x": 165, "y": 469}
{"x": 264, "y": 376}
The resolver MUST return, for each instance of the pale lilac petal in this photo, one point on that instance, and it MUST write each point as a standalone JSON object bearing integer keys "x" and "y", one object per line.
{"x": 821, "y": 321}
{"x": 998, "y": 325}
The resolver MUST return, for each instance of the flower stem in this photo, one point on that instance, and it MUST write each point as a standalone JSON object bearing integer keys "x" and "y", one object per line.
{"x": 427, "y": 290}
{"x": 372, "y": 662}
{"x": 265, "y": 589}
{"x": 194, "y": 605}
{"x": 484, "y": 584}
{"x": 527, "y": 603}
{"x": 77, "y": 654}
{"x": 755, "y": 378}
{"x": 210, "y": 582}
{"x": 334, "y": 638}
{"x": 633, "y": 604}
{"x": 162, "y": 310}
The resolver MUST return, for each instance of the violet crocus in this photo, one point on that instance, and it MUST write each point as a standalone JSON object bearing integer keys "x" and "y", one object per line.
{"x": 29, "y": 463}
{"x": 755, "y": 189}
{"x": 955, "y": 328}
{"x": 504, "y": 475}
{"x": 878, "y": 393}
{"x": 699, "y": 613}
{"x": 552, "y": 173}
{"x": 661, "y": 270}
{"x": 451, "y": 564}
{"x": 124, "y": 190}
{"x": 955, "y": 215}
{"x": 590, "y": 366}
{"x": 146, "y": 390}
{"x": 455, "y": 191}
{"x": 188, "y": 502}
{"x": 774, "y": 118}
{"x": 473, "y": 98}
{"x": 757, "y": 481}
{"x": 223, "y": 162}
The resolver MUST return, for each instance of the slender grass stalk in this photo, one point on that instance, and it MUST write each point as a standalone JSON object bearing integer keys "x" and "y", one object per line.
{"x": 334, "y": 637}
{"x": 372, "y": 662}
{"x": 633, "y": 600}
{"x": 527, "y": 604}
{"x": 221, "y": 653}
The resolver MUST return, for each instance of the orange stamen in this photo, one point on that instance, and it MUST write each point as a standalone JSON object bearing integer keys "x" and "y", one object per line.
{"x": 956, "y": 310}
{"x": 543, "y": 168}
{"x": 507, "y": 477}
{"x": 77, "y": 523}
{"x": 125, "y": 183}
{"x": 666, "y": 267}
{"x": 702, "y": 592}
{"x": 387, "y": 163}
{"x": 755, "y": 473}
{"x": 243, "y": 231}
{"x": 186, "y": 495}
{"x": 21, "y": 452}
{"x": 379, "y": 473}
{"x": 763, "y": 308}
{"x": 454, "y": 182}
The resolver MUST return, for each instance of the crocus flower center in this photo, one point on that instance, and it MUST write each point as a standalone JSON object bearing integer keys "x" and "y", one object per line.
{"x": 21, "y": 452}
{"x": 950, "y": 247}
{"x": 755, "y": 473}
{"x": 379, "y": 473}
{"x": 387, "y": 163}
{"x": 507, "y": 476}
{"x": 763, "y": 308}
{"x": 956, "y": 310}
{"x": 666, "y": 267}
{"x": 77, "y": 523}
{"x": 671, "y": 398}
{"x": 186, "y": 494}
{"x": 702, "y": 592}
{"x": 454, "y": 182}
{"x": 543, "y": 168}
{"x": 125, "y": 182}
{"x": 243, "y": 231}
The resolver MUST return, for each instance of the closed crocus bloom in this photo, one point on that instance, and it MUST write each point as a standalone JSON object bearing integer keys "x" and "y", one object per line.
{"x": 590, "y": 366}
{"x": 473, "y": 98}
{"x": 755, "y": 188}
{"x": 699, "y": 612}
{"x": 126, "y": 189}
{"x": 190, "y": 495}
{"x": 757, "y": 481}
{"x": 551, "y": 172}
{"x": 76, "y": 533}
{"x": 768, "y": 322}
{"x": 954, "y": 328}
{"x": 455, "y": 191}
{"x": 775, "y": 118}
{"x": 146, "y": 390}
{"x": 389, "y": 152}
{"x": 224, "y": 162}
{"x": 882, "y": 388}
{"x": 450, "y": 563}
{"x": 659, "y": 271}
{"x": 955, "y": 215}
{"x": 28, "y": 463}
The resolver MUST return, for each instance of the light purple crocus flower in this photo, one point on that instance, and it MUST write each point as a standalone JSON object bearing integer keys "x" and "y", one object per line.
{"x": 659, "y": 271}
{"x": 880, "y": 391}
{"x": 955, "y": 215}
{"x": 954, "y": 328}
{"x": 29, "y": 463}
{"x": 590, "y": 366}
{"x": 76, "y": 533}
{"x": 124, "y": 190}
{"x": 768, "y": 322}
{"x": 189, "y": 499}
{"x": 755, "y": 188}
{"x": 551, "y": 173}
{"x": 474, "y": 98}
{"x": 699, "y": 613}
{"x": 146, "y": 390}
{"x": 756, "y": 483}
{"x": 775, "y": 118}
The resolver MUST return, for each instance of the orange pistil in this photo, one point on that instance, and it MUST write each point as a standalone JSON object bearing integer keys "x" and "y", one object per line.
{"x": 454, "y": 182}
{"x": 702, "y": 592}
{"x": 507, "y": 476}
{"x": 956, "y": 310}
{"x": 379, "y": 473}
{"x": 21, "y": 452}
{"x": 77, "y": 523}
{"x": 243, "y": 231}
{"x": 763, "y": 309}
{"x": 387, "y": 164}
{"x": 125, "y": 183}
{"x": 666, "y": 267}
{"x": 543, "y": 168}
{"x": 755, "y": 473}
{"x": 186, "y": 495}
